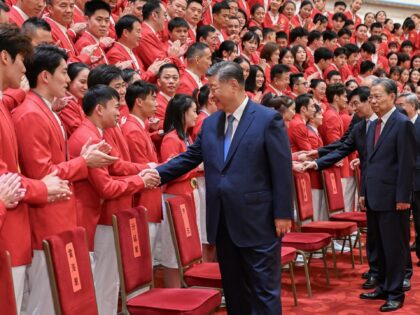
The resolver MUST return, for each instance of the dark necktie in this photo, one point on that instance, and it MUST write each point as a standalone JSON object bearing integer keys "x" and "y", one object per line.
{"x": 378, "y": 130}
{"x": 228, "y": 136}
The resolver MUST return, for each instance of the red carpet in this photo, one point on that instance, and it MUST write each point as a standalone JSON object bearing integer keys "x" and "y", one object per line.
{"x": 342, "y": 296}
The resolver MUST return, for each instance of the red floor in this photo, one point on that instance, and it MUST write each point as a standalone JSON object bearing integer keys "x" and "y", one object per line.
{"x": 342, "y": 296}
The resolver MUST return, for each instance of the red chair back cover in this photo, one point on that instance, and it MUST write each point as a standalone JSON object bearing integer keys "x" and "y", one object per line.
{"x": 136, "y": 257}
{"x": 7, "y": 293}
{"x": 303, "y": 195}
{"x": 72, "y": 271}
{"x": 333, "y": 189}
{"x": 357, "y": 175}
{"x": 183, "y": 215}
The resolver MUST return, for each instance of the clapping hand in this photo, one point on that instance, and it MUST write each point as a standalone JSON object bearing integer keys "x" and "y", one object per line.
{"x": 10, "y": 190}
{"x": 58, "y": 189}
{"x": 95, "y": 156}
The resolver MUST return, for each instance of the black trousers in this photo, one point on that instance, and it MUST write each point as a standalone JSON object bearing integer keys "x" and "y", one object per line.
{"x": 250, "y": 275}
{"x": 390, "y": 231}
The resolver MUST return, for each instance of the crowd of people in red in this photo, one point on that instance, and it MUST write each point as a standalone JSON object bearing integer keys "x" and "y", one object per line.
{"x": 95, "y": 94}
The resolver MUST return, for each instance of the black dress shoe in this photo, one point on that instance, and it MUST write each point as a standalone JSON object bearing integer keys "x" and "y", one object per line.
{"x": 373, "y": 296}
{"x": 406, "y": 285}
{"x": 390, "y": 306}
{"x": 366, "y": 275}
{"x": 370, "y": 283}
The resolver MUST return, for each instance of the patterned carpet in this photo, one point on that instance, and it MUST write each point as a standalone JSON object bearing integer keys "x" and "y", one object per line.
{"x": 342, "y": 296}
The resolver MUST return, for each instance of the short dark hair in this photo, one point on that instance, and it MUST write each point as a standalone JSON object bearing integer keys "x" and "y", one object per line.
{"x": 351, "y": 49}
{"x": 320, "y": 18}
{"x": 177, "y": 22}
{"x": 329, "y": 35}
{"x": 331, "y": 73}
{"x": 103, "y": 74}
{"x": 194, "y": 1}
{"x": 314, "y": 35}
{"x": 278, "y": 70}
{"x": 266, "y": 31}
{"x": 294, "y": 77}
{"x": 126, "y": 22}
{"x": 363, "y": 92}
{"x": 45, "y": 58}
{"x": 375, "y": 25}
{"x": 196, "y": 49}
{"x": 95, "y": 5}
{"x": 75, "y": 68}
{"x": 366, "y": 66}
{"x": 219, "y": 6}
{"x": 302, "y": 101}
{"x": 175, "y": 113}
{"x": 149, "y": 7}
{"x": 203, "y": 31}
{"x": 340, "y": 51}
{"x": 268, "y": 50}
{"x": 14, "y": 42}
{"x": 344, "y": 31}
{"x": 339, "y": 16}
{"x": 166, "y": 66}
{"x": 281, "y": 34}
{"x": 340, "y": 4}
{"x": 333, "y": 90}
{"x": 98, "y": 95}
{"x": 139, "y": 89}
{"x": 361, "y": 25}
{"x": 297, "y": 32}
{"x": 323, "y": 53}
{"x": 279, "y": 103}
{"x": 250, "y": 36}
{"x": 228, "y": 46}
{"x": 368, "y": 47}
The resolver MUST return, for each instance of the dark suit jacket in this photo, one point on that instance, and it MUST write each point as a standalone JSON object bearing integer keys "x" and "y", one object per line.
{"x": 253, "y": 186}
{"x": 389, "y": 169}
{"x": 335, "y": 145}
{"x": 417, "y": 172}
{"x": 355, "y": 140}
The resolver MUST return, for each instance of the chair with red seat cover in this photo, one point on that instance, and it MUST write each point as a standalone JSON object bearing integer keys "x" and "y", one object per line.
{"x": 7, "y": 291}
{"x": 337, "y": 230}
{"x": 306, "y": 243}
{"x": 134, "y": 257}
{"x": 335, "y": 205}
{"x": 185, "y": 236}
{"x": 288, "y": 255}
{"x": 70, "y": 273}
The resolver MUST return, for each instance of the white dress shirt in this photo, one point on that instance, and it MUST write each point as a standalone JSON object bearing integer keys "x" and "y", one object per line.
{"x": 238, "y": 115}
{"x": 386, "y": 117}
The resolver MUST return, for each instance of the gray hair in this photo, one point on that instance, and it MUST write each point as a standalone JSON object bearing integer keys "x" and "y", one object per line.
{"x": 387, "y": 84}
{"x": 227, "y": 70}
{"x": 412, "y": 99}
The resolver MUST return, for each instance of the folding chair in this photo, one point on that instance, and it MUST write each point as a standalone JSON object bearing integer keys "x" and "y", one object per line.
{"x": 193, "y": 271}
{"x": 134, "y": 257}
{"x": 70, "y": 274}
{"x": 7, "y": 291}
{"x": 337, "y": 230}
{"x": 335, "y": 205}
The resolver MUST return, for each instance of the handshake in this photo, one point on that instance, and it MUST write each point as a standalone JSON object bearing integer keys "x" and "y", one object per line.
{"x": 150, "y": 177}
{"x": 304, "y": 160}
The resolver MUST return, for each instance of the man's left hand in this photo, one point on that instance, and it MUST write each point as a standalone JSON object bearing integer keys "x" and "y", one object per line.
{"x": 282, "y": 226}
{"x": 403, "y": 206}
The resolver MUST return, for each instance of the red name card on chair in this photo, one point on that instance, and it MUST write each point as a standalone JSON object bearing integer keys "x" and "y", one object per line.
{"x": 74, "y": 269}
{"x": 135, "y": 237}
{"x": 334, "y": 184}
{"x": 186, "y": 220}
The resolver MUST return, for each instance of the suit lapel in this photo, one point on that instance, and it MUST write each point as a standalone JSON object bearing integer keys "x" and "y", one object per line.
{"x": 244, "y": 123}
{"x": 388, "y": 126}
{"x": 220, "y": 137}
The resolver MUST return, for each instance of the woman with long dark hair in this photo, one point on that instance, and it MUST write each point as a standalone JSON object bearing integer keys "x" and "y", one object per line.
{"x": 72, "y": 114}
{"x": 180, "y": 117}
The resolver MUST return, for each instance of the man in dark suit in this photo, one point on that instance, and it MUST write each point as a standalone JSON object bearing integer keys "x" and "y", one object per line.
{"x": 410, "y": 103}
{"x": 248, "y": 170}
{"x": 386, "y": 190}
